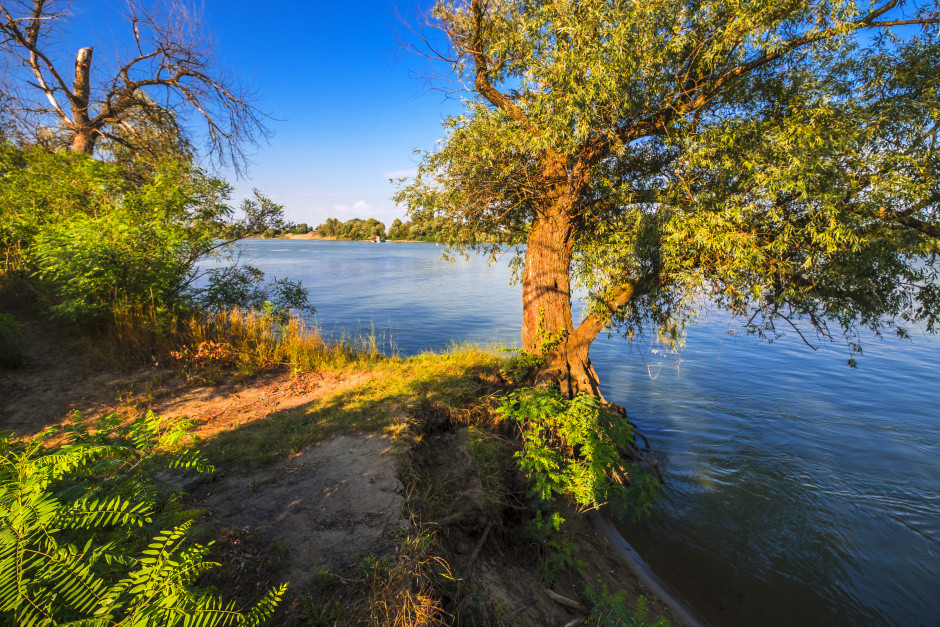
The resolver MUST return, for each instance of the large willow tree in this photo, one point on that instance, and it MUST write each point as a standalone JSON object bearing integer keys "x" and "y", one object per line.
{"x": 776, "y": 157}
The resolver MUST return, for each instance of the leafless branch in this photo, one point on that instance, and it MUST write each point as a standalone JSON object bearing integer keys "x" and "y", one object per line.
{"x": 171, "y": 64}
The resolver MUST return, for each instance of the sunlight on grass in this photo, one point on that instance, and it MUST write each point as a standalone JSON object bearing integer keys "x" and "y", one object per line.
{"x": 380, "y": 404}
{"x": 206, "y": 345}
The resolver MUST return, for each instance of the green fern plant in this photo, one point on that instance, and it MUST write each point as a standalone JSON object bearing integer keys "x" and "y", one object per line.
{"x": 611, "y": 610}
{"x": 71, "y": 520}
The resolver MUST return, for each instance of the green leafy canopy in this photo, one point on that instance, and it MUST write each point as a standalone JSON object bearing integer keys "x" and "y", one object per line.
{"x": 95, "y": 238}
{"x": 776, "y": 158}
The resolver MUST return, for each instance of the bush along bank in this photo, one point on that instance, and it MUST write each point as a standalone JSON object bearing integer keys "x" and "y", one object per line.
{"x": 503, "y": 486}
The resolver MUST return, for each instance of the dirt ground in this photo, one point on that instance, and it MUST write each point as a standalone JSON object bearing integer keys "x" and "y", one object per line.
{"x": 329, "y": 505}
{"x": 323, "y": 508}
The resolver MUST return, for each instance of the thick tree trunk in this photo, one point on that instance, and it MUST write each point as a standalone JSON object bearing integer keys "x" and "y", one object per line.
{"x": 570, "y": 365}
{"x": 546, "y": 291}
{"x": 83, "y": 140}
{"x": 547, "y": 326}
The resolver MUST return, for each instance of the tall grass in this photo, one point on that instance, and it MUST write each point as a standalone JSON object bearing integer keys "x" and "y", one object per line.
{"x": 244, "y": 341}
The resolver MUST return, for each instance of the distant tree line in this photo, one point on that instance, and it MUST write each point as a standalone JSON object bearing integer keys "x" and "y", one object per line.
{"x": 423, "y": 227}
{"x": 354, "y": 229}
{"x": 262, "y": 217}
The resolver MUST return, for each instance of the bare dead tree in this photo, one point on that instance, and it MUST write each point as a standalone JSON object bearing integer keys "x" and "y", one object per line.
{"x": 169, "y": 65}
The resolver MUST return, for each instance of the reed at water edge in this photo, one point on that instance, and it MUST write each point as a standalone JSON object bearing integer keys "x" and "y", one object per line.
{"x": 246, "y": 341}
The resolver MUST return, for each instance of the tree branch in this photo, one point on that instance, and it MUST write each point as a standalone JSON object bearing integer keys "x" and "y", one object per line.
{"x": 616, "y": 300}
{"x": 170, "y": 55}
{"x": 36, "y": 59}
{"x": 482, "y": 81}
{"x": 701, "y": 91}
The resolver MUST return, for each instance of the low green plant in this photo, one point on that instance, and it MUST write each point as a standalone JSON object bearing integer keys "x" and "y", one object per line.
{"x": 545, "y": 528}
{"x": 611, "y": 610}
{"x": 243, "y": 286}
{"x": 315, "y": 613}
{"x": 77, "y": 544}
{"x": 520, "y": 367}
{"x": 574, "y": 449}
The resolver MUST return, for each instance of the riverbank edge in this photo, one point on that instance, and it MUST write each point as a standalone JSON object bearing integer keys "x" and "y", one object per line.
{"x": 98, "y": 391}
{"x": 645, "y": 573}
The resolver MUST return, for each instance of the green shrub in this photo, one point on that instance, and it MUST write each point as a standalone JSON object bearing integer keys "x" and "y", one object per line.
{"x": 521, "y": 367}
{"x": 574, "y": 449}
{"x": 77, "y": 539}
{"x": 95, "y": 239}
{"x": 38, "y": 187}
{"x": 91, "y": 266}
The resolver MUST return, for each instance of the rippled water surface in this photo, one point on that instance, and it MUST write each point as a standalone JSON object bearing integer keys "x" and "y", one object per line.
{"x": 799, "y": 491}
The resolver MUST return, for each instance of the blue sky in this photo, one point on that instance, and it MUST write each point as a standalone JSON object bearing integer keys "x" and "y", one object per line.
{"x": 350, "y": 105}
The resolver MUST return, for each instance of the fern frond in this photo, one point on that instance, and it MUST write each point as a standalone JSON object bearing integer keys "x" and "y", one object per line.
{"x": 191, "y": 460}
{"x": 65, "y": 532}
{"x": 212, "y": 612}
{"x": 86, "y": 514}
{"x": 161, "y": 546}
{"x": 264, "y": 608}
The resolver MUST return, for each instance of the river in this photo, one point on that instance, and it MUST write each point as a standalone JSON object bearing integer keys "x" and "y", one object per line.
{"x": 798, "y": 491}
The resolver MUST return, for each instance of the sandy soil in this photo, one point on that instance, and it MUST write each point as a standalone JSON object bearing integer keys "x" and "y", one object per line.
{"x": 329, "y": 505}
{"x": 322, "y": 509}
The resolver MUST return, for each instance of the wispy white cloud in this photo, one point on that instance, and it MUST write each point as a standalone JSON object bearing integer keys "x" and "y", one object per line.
{"x": 341, "y": 207}
{"x": 361, "y": 204}
{"x": 399, "y": 174}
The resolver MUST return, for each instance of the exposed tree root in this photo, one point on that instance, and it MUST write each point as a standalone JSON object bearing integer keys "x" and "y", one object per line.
{"x": 473, "y": 556}
{"x": 566, "y": 602}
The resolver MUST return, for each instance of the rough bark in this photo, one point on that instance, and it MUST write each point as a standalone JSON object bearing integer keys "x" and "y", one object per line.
{"x": 547, "y": 326}
{"x": 83, "y": 135}
{"x": 83, "y": 140}
{"x": 546, "y": 294}
{"x": 570, "y": 365}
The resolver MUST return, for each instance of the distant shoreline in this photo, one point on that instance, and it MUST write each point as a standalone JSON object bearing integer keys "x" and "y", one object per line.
{"x": 333, "y": 238}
